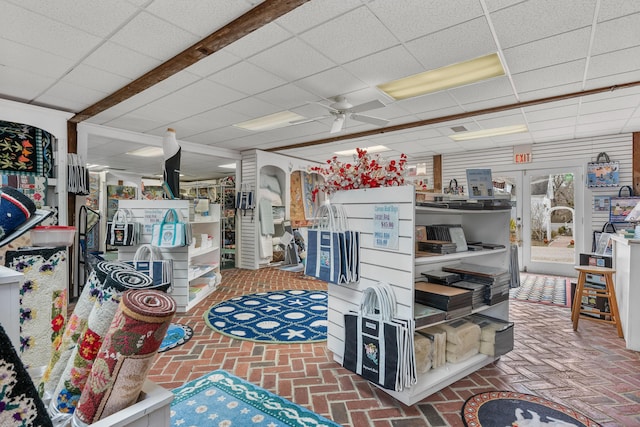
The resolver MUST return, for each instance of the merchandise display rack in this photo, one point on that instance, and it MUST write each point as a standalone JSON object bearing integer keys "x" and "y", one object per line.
{"x": 400, "y": 268}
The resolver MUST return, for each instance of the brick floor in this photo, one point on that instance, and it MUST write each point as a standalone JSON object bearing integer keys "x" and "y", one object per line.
{"x": 589, "y": 370}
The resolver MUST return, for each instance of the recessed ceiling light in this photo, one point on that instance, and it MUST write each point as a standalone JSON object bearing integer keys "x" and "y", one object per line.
{"x": 228, "y": 166}
{"x": 373, "y": 149}
{"x": 147, "y": 152}
{"x": 454, "y": 75}
{"x": 95, "y": 166}
{"x": 272, "y": 121}
{"x": 486, "y": 133}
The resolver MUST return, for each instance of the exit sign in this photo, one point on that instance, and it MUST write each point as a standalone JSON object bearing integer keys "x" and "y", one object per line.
{"x": 522, "y": 153}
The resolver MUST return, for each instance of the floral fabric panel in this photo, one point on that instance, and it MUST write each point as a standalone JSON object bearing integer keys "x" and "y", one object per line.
{"x": 43, "y": 301}
{"x": 25, "y": 150}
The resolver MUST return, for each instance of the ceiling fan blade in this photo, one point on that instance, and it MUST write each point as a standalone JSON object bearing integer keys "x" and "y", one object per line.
{"x": 371, "y": 120}
{"x": 325, "y": 106}
{"x": 338, "y": 124}
{"x": 371, "y": 105}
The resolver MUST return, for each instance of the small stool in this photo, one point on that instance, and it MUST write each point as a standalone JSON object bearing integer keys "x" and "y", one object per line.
{"x": 608, "y": 292}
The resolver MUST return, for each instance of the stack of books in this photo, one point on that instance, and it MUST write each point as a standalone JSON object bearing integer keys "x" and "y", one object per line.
{"x": 497, "y": 280}
{"x": 449, "y": 233}
{"x": 455, "y": 301}
{"x": 441, "y": 277}
{"x": 478, "y": 290}
{"x": 426, "y": 315}
{"x": 437, "y": 246}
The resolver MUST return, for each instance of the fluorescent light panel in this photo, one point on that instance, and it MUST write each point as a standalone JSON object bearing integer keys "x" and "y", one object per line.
{"x": 486, "y": 133}
{"x": 228, "y": 166}
{"x": 462, "y": 73}
{"x": 272, "y": 121}
{"x": 373, "y": 149}
{"x": 147, "y": 152}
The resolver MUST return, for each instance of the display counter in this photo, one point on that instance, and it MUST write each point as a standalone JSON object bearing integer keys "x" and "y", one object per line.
{"x": 626, "y": 261}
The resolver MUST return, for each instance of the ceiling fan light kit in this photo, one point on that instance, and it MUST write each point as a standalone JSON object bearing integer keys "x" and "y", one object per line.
{"x": 342, "y": 109}
{"x": 450, "y": 76}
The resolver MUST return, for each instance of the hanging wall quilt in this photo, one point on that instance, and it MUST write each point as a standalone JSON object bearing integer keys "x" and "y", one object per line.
{"x": 25, "y": 150}
{"x": 34, "y": 187}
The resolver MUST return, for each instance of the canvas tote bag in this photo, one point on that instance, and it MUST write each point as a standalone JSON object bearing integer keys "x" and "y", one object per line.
{"x": 333, "y": 250}
{"x": 378, "y": 346}
{"x": 171, "y": 232}
{"x": 123, "y": 230}
{"x": 148, "y": 260}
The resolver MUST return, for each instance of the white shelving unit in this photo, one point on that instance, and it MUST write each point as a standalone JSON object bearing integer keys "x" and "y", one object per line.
{"x": 400, "y": 268}
{"x": 196, "y": 268}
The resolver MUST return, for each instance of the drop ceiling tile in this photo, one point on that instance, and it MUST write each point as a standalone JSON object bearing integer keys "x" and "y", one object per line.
{"x": 611, "y": 9}
{"x": 501, "y": 121}
{"x": 633, "y": 125}
{"x": 552, "y": 124}
{"x": 617, "y": 34}
{"x": 292, "y": 60}
{"x": 452, "y": 45}
{"x": 614, "y": 63}
{"x": 430, "y": 102}
{"x": 490, "y": 103}
{"x": 548, "y": 77}
{"x": 390, "y": 64}
{"x": 439, "y": 113}
{"x": 550, "y": 91}
{"x": 287, "y": 96}
{"x": 554, "y": 50}
{"x": 134, "y": 102}
{"x": 198, "y": 17}
{"x": 495, "y": 88}
{"x": 329, "y": 83}
{"x": 599, "y": 128}
{"x": 589, "y": 106}
{"x": 222, "y": 137}
{"x": 350, "y": 36}
{"x": 493, "y": 5}
{"x": 23, "y": 85}
{"x": 177, "y": 105}
{"x": 135, "y": 123}
{"x": 153, "y": 36}
{"x": 314, "y": 13}
{"x": 213, "y": 63}
{"x": 220, "y": 117}
{"x": 525, "y": 22}
{"x": 119, "y": 60}
{"x": 94, "y": 17}
{"x": 176, "y": 82}
{"x": 52, "y": 36}
{"x": 94, "y": 78}
{"x": 253, "y": 107}
{"x": 512, "y": 140}
{"x": 73, "y": 97}
{"x": 30, "y": 59}
{"x": 211, "y": 93}
{"x": 606, "y": 116}
{"x": 247, "y": 78}
{"x": 409, "y": 19}
{"x": 258, "y": 41}
{"x": 613, "y": 80}
{"x": 550, "y": 113}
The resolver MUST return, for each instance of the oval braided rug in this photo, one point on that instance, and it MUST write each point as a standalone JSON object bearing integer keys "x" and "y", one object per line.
{"x": 291, "y": 316}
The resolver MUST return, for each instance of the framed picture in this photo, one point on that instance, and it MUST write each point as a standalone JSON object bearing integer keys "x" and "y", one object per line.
{"x": 480, "y": 183}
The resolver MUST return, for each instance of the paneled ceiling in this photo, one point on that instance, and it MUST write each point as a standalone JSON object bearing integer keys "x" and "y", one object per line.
{"x": 572, "y": 71}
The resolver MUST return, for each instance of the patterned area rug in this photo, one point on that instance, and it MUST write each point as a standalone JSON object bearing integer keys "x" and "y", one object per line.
{"x": 291, "y": 316}
{"x": 553, "y": 290}
{"x": 508, "y": 408}
{"x": 177, "y": 334}
{"x": 222, "y": 399}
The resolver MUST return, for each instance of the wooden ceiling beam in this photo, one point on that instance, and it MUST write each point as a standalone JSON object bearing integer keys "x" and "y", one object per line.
{"x": 452, "y": 117}
{"x": 259, "y": 16}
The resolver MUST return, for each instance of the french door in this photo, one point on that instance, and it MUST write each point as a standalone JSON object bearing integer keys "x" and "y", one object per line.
{"x": 546, "y": 216}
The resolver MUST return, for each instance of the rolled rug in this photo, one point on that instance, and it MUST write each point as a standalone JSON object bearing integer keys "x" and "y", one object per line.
{"x": 20, "y": 404}
{"x": 43, "y": 303}
{"x": 75, "y": 327}
{"x": 67, "y": 393}
{"x": 126, "y": 355}
{"x": 15, "y": 208}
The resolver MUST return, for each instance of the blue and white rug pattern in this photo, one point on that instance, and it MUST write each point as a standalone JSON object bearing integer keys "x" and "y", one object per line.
{"x": 177, "y": 334}
{"x": 291, "y": 316}
{"x": 222, "y": 399}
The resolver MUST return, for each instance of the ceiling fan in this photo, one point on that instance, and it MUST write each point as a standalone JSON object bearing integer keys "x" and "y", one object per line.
{"x": 342, "y": 109}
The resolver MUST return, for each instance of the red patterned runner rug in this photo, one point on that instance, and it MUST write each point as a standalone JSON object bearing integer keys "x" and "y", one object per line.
{"x": 126, "y": 355}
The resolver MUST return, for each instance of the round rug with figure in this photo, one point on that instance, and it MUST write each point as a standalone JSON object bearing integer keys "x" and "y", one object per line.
{"x": 509, "y": 408}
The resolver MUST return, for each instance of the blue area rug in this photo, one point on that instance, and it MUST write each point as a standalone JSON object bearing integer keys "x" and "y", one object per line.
{"x": 278, "y": 317}
{"x": 176, "y": 335}
{"x": 222, "y": 399}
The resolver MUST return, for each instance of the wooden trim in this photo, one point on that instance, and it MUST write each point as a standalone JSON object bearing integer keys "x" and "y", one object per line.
{"x": 259, "y": 16}
{"x": 452, "y": 117}
{"x": 437, "y": 173}
{"x": 635, "y": 162}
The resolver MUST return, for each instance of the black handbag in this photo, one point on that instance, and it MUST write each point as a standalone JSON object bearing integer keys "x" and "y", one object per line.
{"x": 122, "y": 230}
{"x": 606, "y": 228}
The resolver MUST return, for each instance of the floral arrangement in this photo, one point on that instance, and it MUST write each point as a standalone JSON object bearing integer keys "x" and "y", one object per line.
{"x": 365, "y": 171}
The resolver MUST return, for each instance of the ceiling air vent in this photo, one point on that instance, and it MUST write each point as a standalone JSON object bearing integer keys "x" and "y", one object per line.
{"x": 459, "y": 129}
